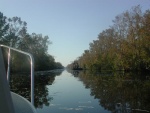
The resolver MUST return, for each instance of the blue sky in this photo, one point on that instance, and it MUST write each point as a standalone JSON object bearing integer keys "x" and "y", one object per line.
{"x": 70, "y": 24}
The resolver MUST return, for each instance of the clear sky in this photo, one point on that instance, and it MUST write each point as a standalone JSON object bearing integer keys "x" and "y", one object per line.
{"x": 70, "y": 24}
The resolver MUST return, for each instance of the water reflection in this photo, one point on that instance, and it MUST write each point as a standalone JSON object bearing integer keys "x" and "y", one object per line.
{"x": 20, "y": 84}
{"x": 118, "y": 92}
{"x": 115, "y": 92}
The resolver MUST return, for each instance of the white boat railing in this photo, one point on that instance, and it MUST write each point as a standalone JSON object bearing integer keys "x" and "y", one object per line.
{"x": 31, "y": 64}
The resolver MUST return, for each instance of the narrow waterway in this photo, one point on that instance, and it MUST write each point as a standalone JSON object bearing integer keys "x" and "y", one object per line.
{"x": 86, "y": 92}
{"x": 69, "y": 95}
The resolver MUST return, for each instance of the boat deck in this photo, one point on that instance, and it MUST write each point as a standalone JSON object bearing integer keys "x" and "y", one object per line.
{"x": 21, "y": 105}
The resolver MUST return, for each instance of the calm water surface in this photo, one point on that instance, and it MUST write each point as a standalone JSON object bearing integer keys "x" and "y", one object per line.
{"x": 86, "y": 92}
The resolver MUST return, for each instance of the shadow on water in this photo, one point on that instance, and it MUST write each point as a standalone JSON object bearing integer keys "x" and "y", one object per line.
{"x": 20, "y": 84}
{"x": 118, "y": 92}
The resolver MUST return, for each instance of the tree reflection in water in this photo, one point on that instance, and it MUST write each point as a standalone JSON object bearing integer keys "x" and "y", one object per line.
{"x": 118, "y": 92}
{"x": 20, "y": 84}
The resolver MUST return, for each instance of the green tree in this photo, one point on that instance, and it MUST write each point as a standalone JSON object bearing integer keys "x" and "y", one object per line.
{"x": 13, "y": 32}
{"x": 3, "y": 27}
{"x": 144, "y": 41}
{"x": 123, "y": 46}
{"x": 17, "y": 30}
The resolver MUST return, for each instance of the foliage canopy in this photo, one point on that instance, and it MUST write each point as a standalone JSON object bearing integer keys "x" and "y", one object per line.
{"x": 123, "y": 46}
{"x": 13, "y": 33}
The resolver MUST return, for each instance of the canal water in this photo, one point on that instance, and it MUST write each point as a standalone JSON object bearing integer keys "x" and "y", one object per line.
{"x": 64, "y": 91}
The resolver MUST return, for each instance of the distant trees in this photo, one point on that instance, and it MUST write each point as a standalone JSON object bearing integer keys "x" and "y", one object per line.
{"x": 74, "y": 66}
{"x": 123, "y": 46}
{"x": 13, "y": 32}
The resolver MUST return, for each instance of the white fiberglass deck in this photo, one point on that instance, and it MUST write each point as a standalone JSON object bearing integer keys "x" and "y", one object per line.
{"x": 21, "y": 105}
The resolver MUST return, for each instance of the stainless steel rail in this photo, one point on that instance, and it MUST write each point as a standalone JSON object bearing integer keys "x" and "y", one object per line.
{"x": 32, "y": 68}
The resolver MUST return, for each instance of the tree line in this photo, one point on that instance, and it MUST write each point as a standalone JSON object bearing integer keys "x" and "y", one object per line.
{"x": 123, "y": 46}
{"x": 13, "y": 33}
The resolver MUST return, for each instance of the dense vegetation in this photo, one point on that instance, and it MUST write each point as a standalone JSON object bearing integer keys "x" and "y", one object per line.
{"x": 13, "y": 32}
{"x": 123, "y": 46}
